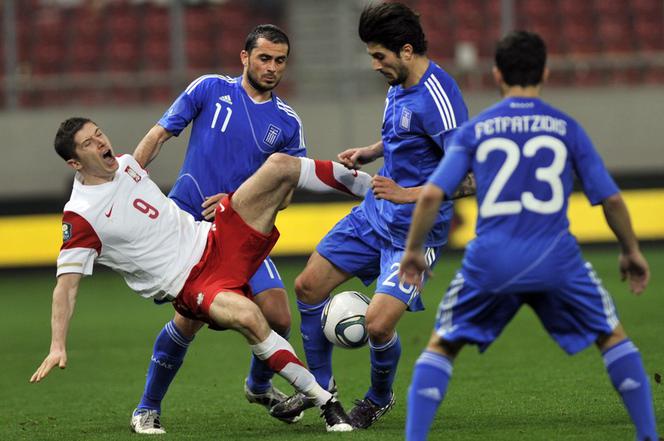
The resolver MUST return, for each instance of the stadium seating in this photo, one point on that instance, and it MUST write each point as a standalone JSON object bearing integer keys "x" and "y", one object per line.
{"x": 125, "y": 37}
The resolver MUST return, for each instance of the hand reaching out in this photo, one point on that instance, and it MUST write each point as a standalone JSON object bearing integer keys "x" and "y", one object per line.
{"x": 210, "y": 205}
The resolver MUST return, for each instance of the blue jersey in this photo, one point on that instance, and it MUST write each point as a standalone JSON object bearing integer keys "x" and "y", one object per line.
{"x": 524, "y": 154}
{"x": 231, "y": 137}
{"x": 417, "y": 122}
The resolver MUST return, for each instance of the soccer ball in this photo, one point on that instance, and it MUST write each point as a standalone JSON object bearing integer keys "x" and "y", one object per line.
{"x": 343, "y": 319}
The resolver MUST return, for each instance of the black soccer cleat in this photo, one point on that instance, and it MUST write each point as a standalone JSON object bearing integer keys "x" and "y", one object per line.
{"x": 297, "y": 403}
{"x": 366, "y": 412}
{"x": 335, "y": 416}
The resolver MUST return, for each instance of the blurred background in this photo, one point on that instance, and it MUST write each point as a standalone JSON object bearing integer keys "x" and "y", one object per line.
{"x": 122, "y": 62}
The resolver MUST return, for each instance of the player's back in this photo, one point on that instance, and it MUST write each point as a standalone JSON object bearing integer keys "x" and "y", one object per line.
{"x": 525, "y": 154}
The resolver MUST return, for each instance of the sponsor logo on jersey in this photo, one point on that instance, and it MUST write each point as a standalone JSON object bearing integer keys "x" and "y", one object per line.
{"x": 404, "y": 122}
{"x": 132, "y": 173}
{"x": 271, "y": 135}
{"x": 66, "y": 231}
{"x": 199, "y": 298}
{"x": 226, "y": 98}
{"x": 108, "y": 213}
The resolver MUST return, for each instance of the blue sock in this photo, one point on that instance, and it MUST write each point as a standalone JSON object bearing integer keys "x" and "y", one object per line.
{"x": 384, "y": 361}
{"x": 317, "y": 348}
{"x": 625, "y": 368}
{"x": 167, "y": 356}
{"x": 427, "y": 389}
{"x": 260, "y": 374}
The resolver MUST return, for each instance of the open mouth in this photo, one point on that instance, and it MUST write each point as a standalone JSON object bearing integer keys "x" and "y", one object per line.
{"x": 107, "y": 154}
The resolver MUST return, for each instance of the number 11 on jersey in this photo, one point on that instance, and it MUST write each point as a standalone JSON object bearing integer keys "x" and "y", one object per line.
{"x": 229, "y": 112}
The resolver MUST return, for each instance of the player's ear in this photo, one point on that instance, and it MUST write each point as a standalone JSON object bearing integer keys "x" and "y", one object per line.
{"x": 244, "y": 57}
{"x": 497, "y": 75}
{"x": 406, "y": 52}
{"x": 545, "y": 75}
{"x": 74, "y": 163}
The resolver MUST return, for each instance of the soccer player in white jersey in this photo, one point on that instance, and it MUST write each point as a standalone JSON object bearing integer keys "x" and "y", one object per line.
{"x": 524, "y": 154}
{"x": 236, "y": 124}
{"x": 423, "y": 107}
{"x": 118, "y": 217}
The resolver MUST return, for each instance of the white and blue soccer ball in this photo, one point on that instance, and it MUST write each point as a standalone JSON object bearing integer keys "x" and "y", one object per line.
{"x": 344, "y": 319}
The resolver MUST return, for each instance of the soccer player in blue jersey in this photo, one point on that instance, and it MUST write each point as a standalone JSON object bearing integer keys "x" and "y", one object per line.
{"x": 524, "y": 154}
{"x": 423, "y": 106}
{"x": 237, "y": 123}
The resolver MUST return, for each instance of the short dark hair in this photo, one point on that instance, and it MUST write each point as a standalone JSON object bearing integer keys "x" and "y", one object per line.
{"x": 392, "y": 25}
{"x": 270, "y": 32}
{"x": 64, "y": 138}
{"x": 521, "y": 58}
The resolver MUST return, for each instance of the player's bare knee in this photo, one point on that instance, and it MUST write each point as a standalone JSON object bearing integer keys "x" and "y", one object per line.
{"x": 607, "y": 341}
{"x": 444, "y": 347}
{"x": 378, "y": 332}
{"x": 305, "y": 290}
{"x": 286, "y": 168}
{"x": 280, "y": 324}
{"x": 186, "y": 326}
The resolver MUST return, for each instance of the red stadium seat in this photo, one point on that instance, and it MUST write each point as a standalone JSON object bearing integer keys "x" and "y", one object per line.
{"x": 616, "y": 9}
{"x": 580, "y": 37}
{"x": 649, "y": 34}
{"x": 615, "y": 34}
{"x": 156, "y": 54}
{"x": 122, "y": 55}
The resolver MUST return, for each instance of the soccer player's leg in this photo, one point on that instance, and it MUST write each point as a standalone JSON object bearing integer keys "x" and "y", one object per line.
{"x": 270, "y": 296}
{"x": 345, "y": 251}
{"x": 233, "y": 311}
{"x": 581, "y": 312}
{"x": 168, "y": 354}
{"x": 465, "y": 315}
{"x": 391, "y": 300}
{"x": 259, "y": 198}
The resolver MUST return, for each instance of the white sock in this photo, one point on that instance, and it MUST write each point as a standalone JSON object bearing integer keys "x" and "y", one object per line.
{"x": 280, "y": 357}
{"x": 329, "y": 176}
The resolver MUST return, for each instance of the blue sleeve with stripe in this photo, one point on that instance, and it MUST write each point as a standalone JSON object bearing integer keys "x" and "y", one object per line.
{"x": 447, "y": 112}
{"x": 185, "y": 108}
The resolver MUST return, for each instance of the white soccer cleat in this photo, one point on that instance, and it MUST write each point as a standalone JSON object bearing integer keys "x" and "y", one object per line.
{"x": 146, "y": 422}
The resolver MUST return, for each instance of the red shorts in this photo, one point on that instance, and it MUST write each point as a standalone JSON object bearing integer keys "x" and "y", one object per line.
{"x": 233, "y": 253}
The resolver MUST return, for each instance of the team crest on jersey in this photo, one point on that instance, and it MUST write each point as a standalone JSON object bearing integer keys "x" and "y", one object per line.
{"x": 135, "y": 176}
{"x": 271, "y": 135}
{"x": 404, "y": 122}
{"x": 66, "y": 231}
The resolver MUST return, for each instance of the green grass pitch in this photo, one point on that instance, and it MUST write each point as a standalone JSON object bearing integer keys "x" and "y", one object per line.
{"x": 523, "y": 387}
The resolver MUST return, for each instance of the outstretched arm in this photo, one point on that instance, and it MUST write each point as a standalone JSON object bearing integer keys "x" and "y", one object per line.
{"x": 413, "y": 265}
{"x": 633, "y": 266}
{"x": 355, "y": 157}
{"x": 150, "y": 145}
{"x": 64, "y": 300}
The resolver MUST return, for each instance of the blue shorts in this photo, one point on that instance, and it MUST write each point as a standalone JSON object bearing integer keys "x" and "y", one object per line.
{"x": 575, "y": 313}
{"x": 266, "y": 277}
{"x": 355, "y": 247}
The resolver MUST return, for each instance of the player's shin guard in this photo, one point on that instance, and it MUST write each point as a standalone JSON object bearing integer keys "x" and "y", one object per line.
{"x": 625, "y": 367}
{"x": 427, "y": 389}
{"x": 260, "y": 373}
{"x": 317, "y": 348}
{"x": 328, "y": 176}
{"x": 384, "y": 362}
{"x": 167, "y": 356}
{"x": 280, "y": 357}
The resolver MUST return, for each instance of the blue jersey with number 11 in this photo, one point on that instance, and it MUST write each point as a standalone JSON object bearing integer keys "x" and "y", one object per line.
{"x": 524, "y": 154}
{"x": 231, "y": 137}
